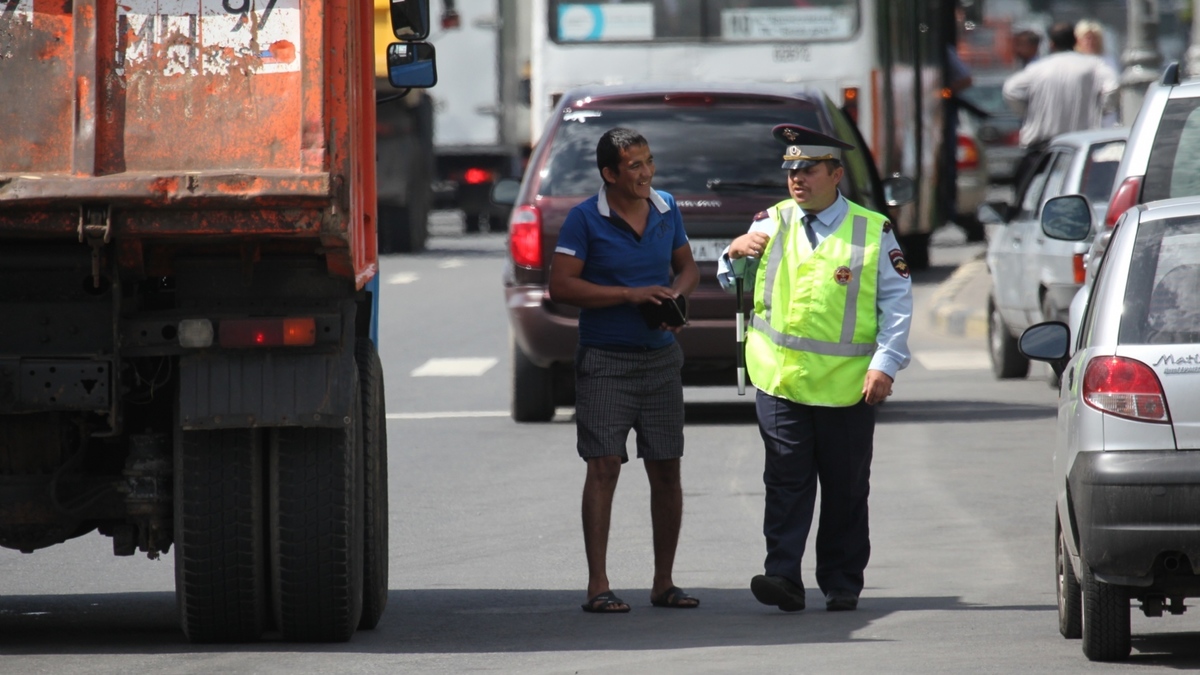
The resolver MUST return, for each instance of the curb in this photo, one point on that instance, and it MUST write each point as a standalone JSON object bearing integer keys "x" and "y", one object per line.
{"x": 950, "y": 315}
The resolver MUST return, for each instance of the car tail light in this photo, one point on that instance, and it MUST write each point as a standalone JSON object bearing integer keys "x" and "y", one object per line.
{"x": 1125, "y": 197}
{"x": 1123, "y": 387}
{"x": 850, "y": 102}
{"x": 1078, "y": 268}
{"x": 967, "y": 154}
{"x": 525, "y": 236}
{"x": 477, "y": 176}
{"x": 274, "y": 332}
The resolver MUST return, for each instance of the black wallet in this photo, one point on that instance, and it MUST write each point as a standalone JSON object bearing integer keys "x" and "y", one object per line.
{"x": 671, "y": 312}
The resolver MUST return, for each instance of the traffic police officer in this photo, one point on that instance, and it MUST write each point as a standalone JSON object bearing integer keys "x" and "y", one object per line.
{"x": 829, "y": 331}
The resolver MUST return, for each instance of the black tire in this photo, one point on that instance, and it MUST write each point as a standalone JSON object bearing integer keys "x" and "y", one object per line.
{"x": 220, "y": 547}
{"x": 1068, "y": 592}
{"x": 317, "y": 530}
{"x": 972, "y": 227}
{"x": 1105, "y": 618}
{"x": 532, "y": 389}
{"x": 375, "y": 485}
{"x": 1007, "y": 361}
{"x": 498, "y": 223}
{"x": 471, "y": 221}
{"x": 916, "y": 250}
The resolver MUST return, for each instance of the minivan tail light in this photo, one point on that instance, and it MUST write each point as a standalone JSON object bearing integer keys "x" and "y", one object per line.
{"x": 1124, "y": 387}
{"x": 967, "y": 153}
{"x": 525, "y": 236}
{"x": 1123, "y": 199}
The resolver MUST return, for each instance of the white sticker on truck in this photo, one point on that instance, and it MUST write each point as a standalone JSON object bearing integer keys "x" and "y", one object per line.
{"x": 210, "y": 37}
{"x": 21, "y": 12}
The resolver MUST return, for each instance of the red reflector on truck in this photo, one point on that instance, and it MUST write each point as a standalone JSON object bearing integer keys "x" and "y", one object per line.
{"x": 289, "y": 332}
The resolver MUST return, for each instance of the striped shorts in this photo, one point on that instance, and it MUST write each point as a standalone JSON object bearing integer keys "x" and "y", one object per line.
{"x": 616, "y": 391}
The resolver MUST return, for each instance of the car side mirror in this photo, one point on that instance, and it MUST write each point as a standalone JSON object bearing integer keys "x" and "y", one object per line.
{"x": 1067, "y": 217}
{"x": 411, "y": 65}
{"x": 898, "y": 190}
{"x": 505, "y": 191}
{"x": 1049, "y": 342}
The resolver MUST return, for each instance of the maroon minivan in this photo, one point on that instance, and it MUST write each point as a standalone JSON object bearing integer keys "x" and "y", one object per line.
{"x": 714, "y": 153}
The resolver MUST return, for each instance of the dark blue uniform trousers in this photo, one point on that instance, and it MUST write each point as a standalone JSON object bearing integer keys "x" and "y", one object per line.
{"x": 805, "y": 445}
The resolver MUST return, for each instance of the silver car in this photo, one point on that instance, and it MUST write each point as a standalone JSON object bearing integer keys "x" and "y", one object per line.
{"x": 1034, "y": 276}
{"x": 1125, "y": 457}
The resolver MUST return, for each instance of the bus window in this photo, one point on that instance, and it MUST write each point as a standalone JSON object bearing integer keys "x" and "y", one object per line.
{"x": 702, "y": 20}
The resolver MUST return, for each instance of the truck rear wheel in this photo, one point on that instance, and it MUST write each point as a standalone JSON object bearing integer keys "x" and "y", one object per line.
{"x": 220, "y": 547}
{"x": 375, "y": 485}
{"x": 317, "y": 531}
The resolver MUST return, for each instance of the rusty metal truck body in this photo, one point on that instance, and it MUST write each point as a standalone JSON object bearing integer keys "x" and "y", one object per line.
{"x": 187, "y": 253}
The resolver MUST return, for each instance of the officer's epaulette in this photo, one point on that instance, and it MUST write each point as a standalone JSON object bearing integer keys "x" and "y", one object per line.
{"x": 887, "y": 226}
{"x": 761, "y": 215}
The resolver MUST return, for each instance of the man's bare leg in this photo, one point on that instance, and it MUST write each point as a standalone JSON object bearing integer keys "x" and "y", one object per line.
{"x": 598, "y": 489}
{"x": 666, "y": 515}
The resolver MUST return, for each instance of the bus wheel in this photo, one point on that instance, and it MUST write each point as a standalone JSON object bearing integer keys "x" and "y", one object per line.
{"x": 220, "y": 553}
{"x": 317, "y": 530}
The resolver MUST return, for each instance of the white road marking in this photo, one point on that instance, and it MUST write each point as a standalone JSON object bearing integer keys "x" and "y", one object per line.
{"x": 464, "y": 367}
{"x": 402, "y": 278}
{"x": 451, "y": 263}
{"x": 954, "y": 360}
{"x": 447, "y": 415}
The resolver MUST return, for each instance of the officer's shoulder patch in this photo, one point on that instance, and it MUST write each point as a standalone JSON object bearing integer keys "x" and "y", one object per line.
{"x": 887, "y": 226}
{"x": 898, "y": 264}
{"x": 761, "y": 215}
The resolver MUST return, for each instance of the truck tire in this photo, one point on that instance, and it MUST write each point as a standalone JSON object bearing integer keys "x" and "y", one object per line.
{"x": 1105, "y": 618}
{"x": 220, "y": 547}
{"x": 316, "y": 530}
{"x": 532, "y": 389}
{"x": 375, "y": 485}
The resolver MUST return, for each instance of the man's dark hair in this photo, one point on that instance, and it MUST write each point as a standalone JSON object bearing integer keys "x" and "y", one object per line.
{"x": 1062, "y": 36}
{"x": 608, "y": 150}
{"x": 1029, "y": 36}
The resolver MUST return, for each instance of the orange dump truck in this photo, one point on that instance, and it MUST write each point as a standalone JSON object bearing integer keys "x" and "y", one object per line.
{"x": 187, "y": 253}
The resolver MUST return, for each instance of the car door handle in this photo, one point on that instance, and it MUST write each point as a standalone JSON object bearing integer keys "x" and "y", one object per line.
{"x": 1070, "y": 379}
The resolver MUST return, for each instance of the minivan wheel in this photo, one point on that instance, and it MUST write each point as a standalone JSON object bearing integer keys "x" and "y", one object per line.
{"x": 1070, "y": 607}
{"x": 1007, "y": 361}
{"x": 532, "y": 389}
{"x": 1105, "y": 618}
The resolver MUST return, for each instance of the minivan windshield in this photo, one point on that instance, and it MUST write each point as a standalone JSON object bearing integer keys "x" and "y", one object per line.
{"x": 1162, "y": 305}
{"x": 697, "y": 149}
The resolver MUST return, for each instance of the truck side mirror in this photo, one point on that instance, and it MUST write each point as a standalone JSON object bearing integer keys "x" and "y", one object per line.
{"x": 410, "y": 19}
{"x": 411, "y": 65}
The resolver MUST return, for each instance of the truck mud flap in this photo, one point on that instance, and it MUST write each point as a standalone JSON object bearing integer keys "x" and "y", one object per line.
{"x": 266, "y": 389}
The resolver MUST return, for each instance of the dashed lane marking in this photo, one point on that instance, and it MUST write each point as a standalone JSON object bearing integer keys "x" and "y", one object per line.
{"x": 462, "y": 367}
{"x": 954, "y": 360}
{"x": 402, "y": 278}
{"x": 451, "y": 263}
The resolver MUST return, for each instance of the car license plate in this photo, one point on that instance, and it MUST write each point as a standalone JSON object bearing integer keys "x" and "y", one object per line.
{"x": 707, "y": 250}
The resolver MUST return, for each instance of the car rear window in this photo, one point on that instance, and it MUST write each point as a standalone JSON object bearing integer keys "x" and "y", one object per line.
{"x": 1173, "y": 169}
{"x": 1162, "y": 296}
{"x": 1100, "y": 170}
{"x": 697, "y": 150}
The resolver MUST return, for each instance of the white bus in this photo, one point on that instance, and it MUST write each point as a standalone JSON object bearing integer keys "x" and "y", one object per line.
{"x": 883, "y": 61}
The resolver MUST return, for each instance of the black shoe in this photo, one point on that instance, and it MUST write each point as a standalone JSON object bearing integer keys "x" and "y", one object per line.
{"x": 841, "y": 602}
{"x": 779, "y": 592}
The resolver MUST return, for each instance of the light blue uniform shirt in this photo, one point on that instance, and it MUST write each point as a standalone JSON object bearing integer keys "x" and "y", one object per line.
{"x": 893, "y": 293}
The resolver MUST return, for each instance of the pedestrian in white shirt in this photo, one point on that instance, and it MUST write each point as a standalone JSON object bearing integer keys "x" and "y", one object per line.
{"x": 1060, "y": 92}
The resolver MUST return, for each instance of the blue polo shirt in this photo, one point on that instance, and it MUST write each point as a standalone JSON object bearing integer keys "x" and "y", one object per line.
{"x": 613, "y": 255}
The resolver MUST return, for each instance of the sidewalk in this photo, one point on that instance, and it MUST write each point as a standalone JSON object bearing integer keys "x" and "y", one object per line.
{"x": 959, "y": 305}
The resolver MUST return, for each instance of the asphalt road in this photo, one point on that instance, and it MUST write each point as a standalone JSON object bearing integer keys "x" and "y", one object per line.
{"x": 487, "y": 568}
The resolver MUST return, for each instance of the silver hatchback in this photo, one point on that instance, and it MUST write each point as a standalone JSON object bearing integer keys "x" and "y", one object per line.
{"x": 1127, "y": 453}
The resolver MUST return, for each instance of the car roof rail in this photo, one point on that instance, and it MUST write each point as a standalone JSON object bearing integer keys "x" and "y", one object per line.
{"x": 1170, "y": 75}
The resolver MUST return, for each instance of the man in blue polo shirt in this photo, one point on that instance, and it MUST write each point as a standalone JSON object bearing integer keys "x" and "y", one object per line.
{"x": 619, "y": 253}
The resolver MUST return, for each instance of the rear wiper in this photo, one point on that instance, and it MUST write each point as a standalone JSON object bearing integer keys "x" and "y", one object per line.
{"x": 718, "y": 185}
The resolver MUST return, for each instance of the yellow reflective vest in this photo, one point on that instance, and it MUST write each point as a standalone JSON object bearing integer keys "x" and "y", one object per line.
{"x": 814, "y": 326}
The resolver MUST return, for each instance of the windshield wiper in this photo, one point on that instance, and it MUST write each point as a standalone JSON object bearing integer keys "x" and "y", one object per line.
{"x": 718, "y": 185}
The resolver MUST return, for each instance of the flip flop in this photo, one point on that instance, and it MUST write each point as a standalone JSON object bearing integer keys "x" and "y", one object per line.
{"x": 676, "y": 598}
{"x": 605, "y": 603}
